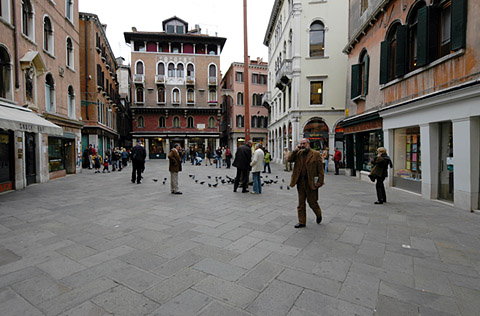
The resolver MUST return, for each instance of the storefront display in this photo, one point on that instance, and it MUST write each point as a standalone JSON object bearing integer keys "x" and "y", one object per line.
{"x": 408, "y": 159}
{"x": 156, "y": 148}
{"x": 6, "y": 162}
{"x": 370, "y": 142}
{"x": 56, "y": 154}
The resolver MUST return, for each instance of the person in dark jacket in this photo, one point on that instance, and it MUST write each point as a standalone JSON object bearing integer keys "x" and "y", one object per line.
{"x": 243, "y": 157}
{"x": 175, "y": 166}
{"x": 379, "y": 172}
{"x": 138, "y": 162}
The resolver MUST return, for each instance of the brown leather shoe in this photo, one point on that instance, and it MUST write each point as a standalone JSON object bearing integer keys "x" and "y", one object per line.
{"x": 299, "y": 225}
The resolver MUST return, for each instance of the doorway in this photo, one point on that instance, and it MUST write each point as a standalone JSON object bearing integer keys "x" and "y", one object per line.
{"x": 30, "y": 161}
{"x": 446, "y": 170}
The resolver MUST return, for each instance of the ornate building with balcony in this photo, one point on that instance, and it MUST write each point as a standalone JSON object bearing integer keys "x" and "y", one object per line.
{"x": 40, "y": 126}
{"x": 414, "y": 87}
{"x": 306, "y": 73}
{"x": 233, "y": 106}
{"x": 176, "y": 76}
{"x": 99, "y": 86}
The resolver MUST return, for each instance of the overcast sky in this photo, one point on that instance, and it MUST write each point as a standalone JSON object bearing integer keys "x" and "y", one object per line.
{"x": 224, "y": 17}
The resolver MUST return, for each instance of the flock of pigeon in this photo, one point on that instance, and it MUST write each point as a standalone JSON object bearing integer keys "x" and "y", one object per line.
{"x": 229, "y": 180}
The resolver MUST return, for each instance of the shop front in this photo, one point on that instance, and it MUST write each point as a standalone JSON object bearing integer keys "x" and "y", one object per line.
{"x": 316, "y": 131}
{"x": 407, "y": 155}
{"x": 363, "y": 135}
{"x": 156, "y": 148}
{"x": 7, "y": 168}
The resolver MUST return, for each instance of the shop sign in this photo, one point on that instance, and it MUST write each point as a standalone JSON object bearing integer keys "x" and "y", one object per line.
{"x": 316, "y": 135}
{"x": 364, "y": 126}
{"x": 31, "y": 128}
{"x": 5, "y": 187}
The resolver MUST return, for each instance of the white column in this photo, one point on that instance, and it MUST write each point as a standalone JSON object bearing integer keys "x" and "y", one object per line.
{"x": 388, "y": 143}
{"x": 185, "y": 142}
{"x": 466, "y": 148}
{"x": 217, "y": 143}
{"x": 430, "y": 147}
{"x": 167, "y": 145}
{"x": 147, "y": 147}
{"x": 331, "y": 151}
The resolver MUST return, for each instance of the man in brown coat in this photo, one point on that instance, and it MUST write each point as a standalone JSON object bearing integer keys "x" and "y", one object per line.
{"x": 308, "y": 175}
{"x": 175, "y": 166}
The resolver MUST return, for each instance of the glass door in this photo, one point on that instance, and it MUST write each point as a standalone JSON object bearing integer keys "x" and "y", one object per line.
{"x": 30, "y": 164}
{"x": 445, "y": 189}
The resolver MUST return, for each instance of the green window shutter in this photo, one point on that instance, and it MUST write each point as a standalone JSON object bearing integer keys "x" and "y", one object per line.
{"x": 401, "y": 55}
{"x": 458, "y": 24}
{"x": 384, "y": 50}
{"x": 433, "y": 31}
{"x": 367, "y": 65}
{"x": 422, "y": 36}
{"x": 356, "y": 80}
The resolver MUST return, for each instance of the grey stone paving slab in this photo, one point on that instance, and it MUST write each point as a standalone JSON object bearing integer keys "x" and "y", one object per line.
{"x": 360, "y": 289}
{"x": 393, "y": 307}
{"x": 261, "y": 276}
{"x": 226, "y": 291}
{"x": 8, "y": 256}
{"x": 220, "y": 269}
{"x": 243, "y": 244}
{"x": 432, "y": 281}
{"x": 19, "y": 276}
{"x": 292, "y": 262}
{"x": 281, "y": 248}
{"x": 312, "y": 282}
{"x": 215, "y": 253}
{"x": 12, "y": 304}
{"x": 105, "y": 256}
{"x": 325, "y": 305}
{"x": 333, "y": 268}
{"x": 87, "y": 308}
{"x": 61, "y": 267}
{"x": 276, "y": 300}
{"x": 173, "y": 286}
{"x": 121, "y": 301}
{"x": 175, "y": 265}
{"x": 295, "y": 311}
{"x": 398, "y": 262}
{"x": 88, "y": 275}
{"x": 237, "y": 233}
{"x": 77, "y": 251}
{"x": 216, "y": 308}
{"x": 188, "y": 303}
{"x": 28, "y": 289}
{"x": 134, "y": 278}
{"x": 212, "y": 240}
{"x": 250, "y": 258}
{"x": 143, "y": 259}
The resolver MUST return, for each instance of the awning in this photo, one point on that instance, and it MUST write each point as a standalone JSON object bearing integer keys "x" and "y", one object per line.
{"x": 19, "y": 119}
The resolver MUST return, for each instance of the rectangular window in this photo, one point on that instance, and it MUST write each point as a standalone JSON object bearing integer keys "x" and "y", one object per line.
{"x": 239, "y": 76}
{"x": 56, "y": 154}
{"x": 180, "y": 29}
{"x": 170, "y": 29}
{"x": 263, "y": 79}
{"x": 255, "y": 79}
{"x": 316, "y": 92}
{"x": 364, "y": 6}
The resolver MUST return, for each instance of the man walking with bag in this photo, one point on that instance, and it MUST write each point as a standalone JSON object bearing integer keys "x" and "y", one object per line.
{"x": 308, "y": 175}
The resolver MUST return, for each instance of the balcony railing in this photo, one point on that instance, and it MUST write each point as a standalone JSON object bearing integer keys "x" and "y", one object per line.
{"x": 159, "y": 78}
{"x": 190, "y": 102}
{"x": 190, "y": 79}
{"x": 212, "y": 103}
{"x": 212, "y": 81}
{"x": 139, "y": 78}
{"x": 284, "y": 72}
{"x": 266, "y": 97}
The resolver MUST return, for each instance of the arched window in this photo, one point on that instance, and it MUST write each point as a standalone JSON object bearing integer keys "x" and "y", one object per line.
{"x": 27, "y": 19}
{"x": 392, "y": 56}
{"x": 48, "y": 35}
{"x": 190, "y": 96}
{"x": 413, "y": 36}
{"x": 49, "y": 93}
{"x": 180, "y": 71}
{"x": 211, "y": 122}
{"x": 140, "y": 122}
{"x": 161, "y": 95}
{"x": 176, "y": 122}
{"x": 240, "y": 121}
{"x": 175, "y": 96}
{"x": 359, "y": 78}
{"x": 139, "y": 95}
{"x": 160, "y": 68}
{"x": 6, "y": 74}
{"x": 254, "y": 121}
{"x": 190, "y": 122}
{"x": 255, "y": 100}
{"x": 240, "y": 98}
{"x": 69, "y": 9}
{"x": 70, "y": 55}
{"x": 212, "y": 95}
{"x": 161, "y": 122}
{"x": 290, "y": 43}
{"x": 190, "y": 70}
{"x": 71, "y": 102}
{"x": 317, "y": 39}
{"x": 171, "y": 70}
{"x": 212, "y": 71}
{"x": 139, "y": 69}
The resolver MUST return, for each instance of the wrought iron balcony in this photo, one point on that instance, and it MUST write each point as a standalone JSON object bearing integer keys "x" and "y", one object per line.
{"x": 284, "y": 73}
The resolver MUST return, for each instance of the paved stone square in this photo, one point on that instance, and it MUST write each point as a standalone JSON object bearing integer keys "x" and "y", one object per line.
{"x": 96, "y": 244}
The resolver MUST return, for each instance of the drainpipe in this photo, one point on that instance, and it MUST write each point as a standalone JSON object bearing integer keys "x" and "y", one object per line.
{"x": 15, "y": 41}
{"x": 86, "y": 68}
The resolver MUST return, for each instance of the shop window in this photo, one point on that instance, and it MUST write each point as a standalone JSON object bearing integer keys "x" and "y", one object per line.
{"x": 28, "y": 19}
{"x": 6, "y": 74}
{"x": 161, "y": 122}
{"x": 176, "y": 122}
{"x": 238, "y": 76}
{"x": 211, "y": 122}
{"x": 56, "y": 154}
{"x": 190, "y": 122}
{"x": 161, "y": 95}
{"x": 48, "y": 35}
{"x": 407, "y": 158}
{"x": 71, "y": 102}
{"x": 240, "y": 98}
{"x": 317, "y": 39}
{"x": 316, "y": 92}
{"x": 49, "y": 93}
{"x": 6, "y": 163}
{"x": 69, "y": 9}
{"x": 140, "y": 122}
{"x": 70, "y": 55}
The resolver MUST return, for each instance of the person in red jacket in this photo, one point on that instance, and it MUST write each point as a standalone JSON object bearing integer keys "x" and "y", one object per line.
{"x": 336, "y": 158}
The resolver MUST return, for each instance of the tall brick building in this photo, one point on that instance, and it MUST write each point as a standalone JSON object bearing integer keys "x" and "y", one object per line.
{"x": 176, "y": 77}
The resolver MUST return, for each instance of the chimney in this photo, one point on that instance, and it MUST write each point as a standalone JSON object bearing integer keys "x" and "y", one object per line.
{"x": 134, "y": 29}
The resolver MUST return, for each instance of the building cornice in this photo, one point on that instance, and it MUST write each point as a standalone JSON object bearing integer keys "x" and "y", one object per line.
{"x": 277, "y": 7}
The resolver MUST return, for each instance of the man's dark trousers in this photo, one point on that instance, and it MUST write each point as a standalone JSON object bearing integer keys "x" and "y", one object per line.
{"x": 242, "y": 176}
{"x": 137, "y": 171}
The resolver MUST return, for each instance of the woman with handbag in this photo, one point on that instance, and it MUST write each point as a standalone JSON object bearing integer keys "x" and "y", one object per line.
{"x": 379, "y": 173}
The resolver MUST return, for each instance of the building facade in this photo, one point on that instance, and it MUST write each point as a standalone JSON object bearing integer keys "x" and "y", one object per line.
{"x": 414, "y": 74}
{"x": 99, "y": 86}
{"x": 176, "y": 77}
{"x": 306, "y": 73}
{"x": 233, "y": 122}
{"x": 124, "y": 112}
{"x": 40, "y": 126}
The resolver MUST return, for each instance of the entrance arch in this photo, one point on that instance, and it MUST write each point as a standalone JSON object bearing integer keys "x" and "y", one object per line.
{"x": 316, "y": 130}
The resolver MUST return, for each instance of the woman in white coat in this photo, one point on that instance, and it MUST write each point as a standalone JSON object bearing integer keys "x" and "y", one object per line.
{"x": 257, "y": 167}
